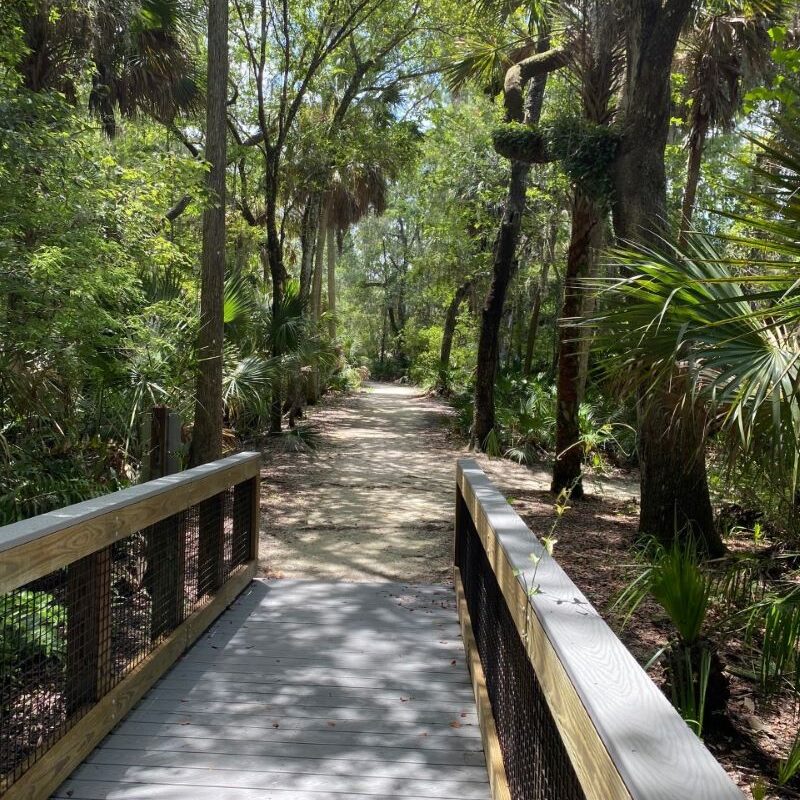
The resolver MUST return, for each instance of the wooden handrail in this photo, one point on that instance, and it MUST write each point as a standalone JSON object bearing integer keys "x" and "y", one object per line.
{"x": 35, "y": 547}
{"x": 623, "y": 737}
{"x": 79, "y": 537}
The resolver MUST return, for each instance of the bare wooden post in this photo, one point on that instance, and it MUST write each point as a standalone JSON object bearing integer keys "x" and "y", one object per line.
{"x": 159, "y": 425}
{"x": 165, "y": 442}
{"x": 166, "y": 540}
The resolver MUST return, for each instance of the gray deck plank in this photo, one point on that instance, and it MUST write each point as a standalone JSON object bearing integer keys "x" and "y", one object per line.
{"x": 425, "y": 739}
{"x": 463, "y": 725}
{"x": 307, "y": 766}
{"x": 105, "y": 790}
{"x": 398, "y": 716}
{"x": 308, "y": 691}
{"x": 322, "y": 676}
{"x": 269, "y": 748}
{"x": 347, "y": 784}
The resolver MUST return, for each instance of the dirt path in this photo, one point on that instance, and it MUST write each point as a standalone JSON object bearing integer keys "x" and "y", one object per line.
{"x": 374, "y": 501}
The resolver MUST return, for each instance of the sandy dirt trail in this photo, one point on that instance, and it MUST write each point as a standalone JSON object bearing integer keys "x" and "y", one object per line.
{"x": 374, "y": 501}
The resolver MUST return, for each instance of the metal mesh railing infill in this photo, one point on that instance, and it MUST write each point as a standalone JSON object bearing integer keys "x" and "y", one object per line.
{"x": 69, "y": 637}
{"x": 536, "y": 763}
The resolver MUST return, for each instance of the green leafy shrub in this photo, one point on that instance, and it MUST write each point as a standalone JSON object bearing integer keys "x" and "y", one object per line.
{"x": 31, "y": 628}
{"x": 348, "y": 378}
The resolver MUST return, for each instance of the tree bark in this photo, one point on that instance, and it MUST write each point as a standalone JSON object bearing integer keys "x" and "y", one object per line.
{"x": 588, "y": 304}
{"x": 541, "y": 288}
{"x": 694, "y": 160}
{"x": 308, "y": 236}
{"x": 673, "y": 487}
{"x": 278, "y": 276}
{"x": 533, "y": 324}
{"x": 505, "y": 245}
{"x": 314, "y": 385}
{"x": 207, "y": 435}
{"x": 450, "y": 320}
{"x": 673, "y": 467}
{"x": 567, "y": 469}
{"x": 332, "y": 252}
{"x": 504, "y": 264}
{"x": 520, "y": 74}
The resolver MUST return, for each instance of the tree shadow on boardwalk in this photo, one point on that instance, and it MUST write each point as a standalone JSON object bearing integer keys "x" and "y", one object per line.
{"x": 306, "y": 690}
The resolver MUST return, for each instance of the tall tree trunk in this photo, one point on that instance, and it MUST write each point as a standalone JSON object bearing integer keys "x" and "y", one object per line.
{"x": 384, "y": 333}
{"x": 694, "y": 160}
{"x": 673, "y": 466}
{"x": 450, "y": 320}
{"x": 308, "y": 238}
{"x": 278, "y": 276}
{"x": 673, "y": 487}
{"x": 332, "y": 252}
{"x": 548, "y": 257}
{"x": 556, "y": 340}
{"x": 586, "y": 221}
{"x": 300, "y": 386}
{"x": 504, "y": 263}
{"x": 587, "y": 336}
{"x": 315, "y": 388}
{"x": 207, "y": 435}
{"x": 588, "y": 304}
{"x": 533, "y": 325}
{"x": 523, "y": 98}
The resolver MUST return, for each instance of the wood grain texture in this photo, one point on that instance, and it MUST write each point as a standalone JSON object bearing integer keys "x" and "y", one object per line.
{"x": 334, "y": 723}
{"x": 498, "y": 781}
{"x": 55, "y": 765}
{"x": 35, "y": 547}
{"x": 612, "y": 705}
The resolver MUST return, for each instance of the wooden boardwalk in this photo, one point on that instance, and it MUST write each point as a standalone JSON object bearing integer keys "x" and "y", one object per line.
{"x": 305, "y": 691}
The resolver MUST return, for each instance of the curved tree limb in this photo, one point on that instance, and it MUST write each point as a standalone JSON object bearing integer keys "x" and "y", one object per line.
{"x": 518, "y": 76}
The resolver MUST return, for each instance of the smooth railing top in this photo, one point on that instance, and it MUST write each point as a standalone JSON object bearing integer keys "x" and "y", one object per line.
{"x": 655, "y": 753}
{"x": 34, "y": 547}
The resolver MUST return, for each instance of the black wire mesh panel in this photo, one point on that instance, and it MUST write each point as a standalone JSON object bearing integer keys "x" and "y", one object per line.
{"x": 536, "y": 762}
{"x": 71, "y": 636}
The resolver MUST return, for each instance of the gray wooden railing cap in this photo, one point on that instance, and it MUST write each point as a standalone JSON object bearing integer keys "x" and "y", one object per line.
{"x": 28, "y": 530}
{"x": 653, "y": 749}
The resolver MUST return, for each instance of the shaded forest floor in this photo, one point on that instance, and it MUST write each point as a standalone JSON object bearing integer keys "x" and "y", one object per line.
{"x": 373, "y": 501}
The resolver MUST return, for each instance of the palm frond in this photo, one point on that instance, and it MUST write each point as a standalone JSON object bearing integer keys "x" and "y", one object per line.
{"x": 480, "y": 61}
{"x": 682, "y": 306}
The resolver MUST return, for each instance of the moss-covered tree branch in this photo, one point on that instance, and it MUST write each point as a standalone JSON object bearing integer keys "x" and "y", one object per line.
{"x": 519, "y": 74}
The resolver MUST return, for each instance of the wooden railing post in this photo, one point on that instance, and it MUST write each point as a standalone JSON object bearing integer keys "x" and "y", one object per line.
{"x": 165, "y": 442}
{"x": 166, "y": 540}
{"x": 88, "y": 657}
{"x": 246, "y": 509}
{"x": 211, "y": 545}
{"x": 255, "y": 517}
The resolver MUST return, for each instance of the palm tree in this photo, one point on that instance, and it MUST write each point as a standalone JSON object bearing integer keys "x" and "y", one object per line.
{"x": 207, "y": 435}
{"x": 731, "y": 329}
{"x": 353, "y": 192}
{"x": 142, "y": 54}
{"x": 524, "y": 59}
{"x": 727, "y": 47}
{"x": 144, "y": 59}
{"x": 596, "y": 61}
